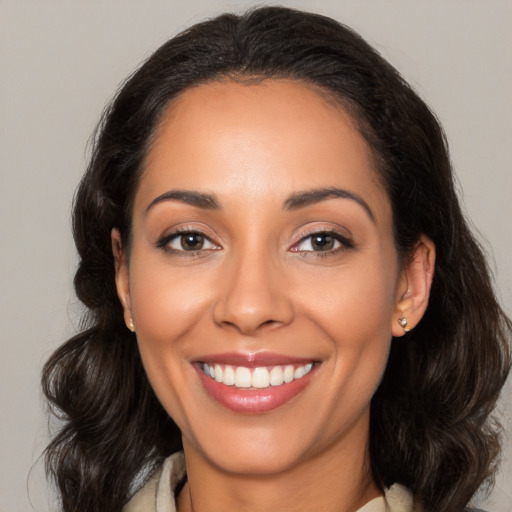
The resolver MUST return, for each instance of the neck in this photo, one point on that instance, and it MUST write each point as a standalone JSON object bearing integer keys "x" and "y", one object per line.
{"x": 330, "y": 481}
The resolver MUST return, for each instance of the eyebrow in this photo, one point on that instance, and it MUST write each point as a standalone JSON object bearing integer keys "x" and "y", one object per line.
{"x": 191, "y": 197}
{"x": 309, "y": 197}
{"x": 293, "y": 202}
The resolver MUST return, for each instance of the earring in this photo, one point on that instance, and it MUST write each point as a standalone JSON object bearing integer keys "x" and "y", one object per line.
{"x": 130, "y": 325}
{"x": 403, "y": 322}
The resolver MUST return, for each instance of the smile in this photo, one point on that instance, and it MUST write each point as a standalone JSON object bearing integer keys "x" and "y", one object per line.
{"x": 242, "y": 377}
{"x": 255, "y": 383}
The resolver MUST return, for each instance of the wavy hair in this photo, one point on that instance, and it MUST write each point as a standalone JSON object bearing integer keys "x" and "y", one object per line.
{"x": 431, "y": 425}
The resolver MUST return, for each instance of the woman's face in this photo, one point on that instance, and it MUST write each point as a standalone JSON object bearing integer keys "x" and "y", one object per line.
{"x": 263, "y": 253}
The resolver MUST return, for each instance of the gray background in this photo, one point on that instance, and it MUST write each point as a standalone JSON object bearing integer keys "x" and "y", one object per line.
{"x": 60, "y": 61}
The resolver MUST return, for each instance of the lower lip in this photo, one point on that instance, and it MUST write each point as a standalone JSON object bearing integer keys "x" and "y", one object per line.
{"x": 253, "y": 401}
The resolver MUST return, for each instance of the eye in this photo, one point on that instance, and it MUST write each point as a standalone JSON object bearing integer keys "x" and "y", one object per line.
{"x": 323, "y": 241}
{"x": 187, "y": 241}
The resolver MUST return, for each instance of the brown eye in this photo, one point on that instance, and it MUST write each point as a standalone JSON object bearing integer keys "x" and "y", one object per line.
{"x": 319, "y": 242}
{"x": 192, "y": 241}
{"x": 187, "y": 241}
{"x": 322, "y": 242}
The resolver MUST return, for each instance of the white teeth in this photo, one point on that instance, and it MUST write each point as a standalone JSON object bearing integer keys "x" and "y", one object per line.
{"x": 276, "y": 376}
{"x": 229, "y": 376}
{"x": 299, "y": 372}
{"x": 243, "y": 377}
{"x": 288, "y": 373}
{"x": 259, "y": 378}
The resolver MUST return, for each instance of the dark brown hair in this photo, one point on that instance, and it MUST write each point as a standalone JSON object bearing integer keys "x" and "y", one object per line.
{"x": 430, "y": 426}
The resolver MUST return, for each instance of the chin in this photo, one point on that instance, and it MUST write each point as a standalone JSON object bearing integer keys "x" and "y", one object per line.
{"x": 255, "y": 462}
{"x": 256, "y": 451}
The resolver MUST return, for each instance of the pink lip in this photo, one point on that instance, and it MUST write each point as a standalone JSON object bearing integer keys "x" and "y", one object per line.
{"x": 253, "y": 401}
{"x": 252, "y": 360}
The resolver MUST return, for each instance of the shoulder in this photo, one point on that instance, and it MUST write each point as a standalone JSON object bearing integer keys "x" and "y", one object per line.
{"x": 399, "y": 499}
{"x": 144, "y": 500}
{"x": 157, "y": 494}
{"x": 396, "y": 499}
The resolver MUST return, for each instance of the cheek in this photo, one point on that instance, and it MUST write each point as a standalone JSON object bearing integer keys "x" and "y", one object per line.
{"x": 167, "y": 304}
{"x": 355, "y": 302}
{"x": 353, "y": 306}
{"x": 165, "y": 301}
{"x": 166, "y": 307}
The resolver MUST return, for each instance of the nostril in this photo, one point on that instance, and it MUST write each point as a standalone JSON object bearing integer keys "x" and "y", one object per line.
{"x": 246, "y": 326}
{"x": 249, "y": 301}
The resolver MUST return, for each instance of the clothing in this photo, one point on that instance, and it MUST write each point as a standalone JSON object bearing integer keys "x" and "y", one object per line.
{"x": 157, "y": 495}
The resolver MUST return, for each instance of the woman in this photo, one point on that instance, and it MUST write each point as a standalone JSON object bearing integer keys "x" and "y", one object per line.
{"x": 280, "y": 283}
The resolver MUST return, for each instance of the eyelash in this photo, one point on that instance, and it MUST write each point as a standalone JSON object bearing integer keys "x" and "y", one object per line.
{"x": 164, "y": 242}
{"x": 344, "y": 243}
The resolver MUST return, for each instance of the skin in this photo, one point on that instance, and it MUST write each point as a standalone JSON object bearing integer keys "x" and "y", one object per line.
{"x": 258, "y": 284}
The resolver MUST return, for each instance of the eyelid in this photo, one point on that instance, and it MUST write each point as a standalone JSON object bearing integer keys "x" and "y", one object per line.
{"x": 344, "y": 240}
{"x": 163, "y": 242}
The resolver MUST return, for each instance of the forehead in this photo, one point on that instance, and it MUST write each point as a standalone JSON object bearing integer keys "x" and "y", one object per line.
{"x": 258, "y": 140}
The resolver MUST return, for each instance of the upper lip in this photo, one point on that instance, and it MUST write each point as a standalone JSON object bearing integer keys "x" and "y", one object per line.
{"x": 253, "y": 359}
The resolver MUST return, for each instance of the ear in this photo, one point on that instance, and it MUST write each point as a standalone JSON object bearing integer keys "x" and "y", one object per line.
{"x": 413, "y": 290}
{"x": 122, "y": 280}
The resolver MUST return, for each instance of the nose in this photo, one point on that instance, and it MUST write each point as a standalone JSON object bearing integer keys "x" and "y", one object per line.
{"x": 252, "y": 296}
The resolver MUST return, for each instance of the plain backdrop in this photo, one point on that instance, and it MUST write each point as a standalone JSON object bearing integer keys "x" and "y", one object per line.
{"x": 61, "y": 61}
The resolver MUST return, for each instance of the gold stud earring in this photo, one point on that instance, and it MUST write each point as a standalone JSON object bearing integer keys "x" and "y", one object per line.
{"x": 131, "y": 325}
{"x": 403, "y": 322}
